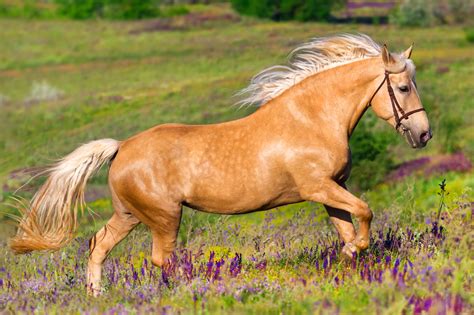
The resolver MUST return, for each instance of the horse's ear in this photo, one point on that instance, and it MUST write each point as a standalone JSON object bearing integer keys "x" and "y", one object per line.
{"x": 387, "y": 56}
{"x": 407, "y": 53}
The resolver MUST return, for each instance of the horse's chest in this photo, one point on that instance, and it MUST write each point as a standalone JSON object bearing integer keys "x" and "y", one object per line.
{"x": 337, "y": 164}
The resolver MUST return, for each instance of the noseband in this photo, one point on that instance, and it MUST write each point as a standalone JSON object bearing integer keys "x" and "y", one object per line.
{"x": 398, "y": 113}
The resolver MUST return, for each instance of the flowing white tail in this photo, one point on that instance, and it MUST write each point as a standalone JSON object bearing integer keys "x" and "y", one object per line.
{"x": 50, "y": 220}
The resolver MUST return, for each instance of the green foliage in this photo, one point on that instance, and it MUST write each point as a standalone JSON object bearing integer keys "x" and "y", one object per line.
{"x": 173, "y": 10}
{"x": 86, "y": 9}
{"x": 131, "y": 9}
{"x": 461, "y": 10}
{"x": 469, "y": 34}
{"x": 427, "y": 12}
{"x": 27, "y": 9}
{"x": 449, "y": 112}
{"x": 78, "y": 9}
{"x": 112, "y": 9}
{"x": 312, "y": 10}
{"x": 413, "y": 13}
{"x": 262, "y": 9}
{"x": 370, "y": 159}
{"x": 448, "y": 130}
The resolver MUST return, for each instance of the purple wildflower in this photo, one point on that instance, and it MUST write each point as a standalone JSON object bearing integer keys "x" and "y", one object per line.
{"x": 210, "y": 264}
{"x": 217, "y": 271}
{"x": 427, "y": 304}
{"x": 458, "y": 304}
{"x": 262, "y": 265}
{"x": 235, "y": 266}
{"x": 395, "y": 267}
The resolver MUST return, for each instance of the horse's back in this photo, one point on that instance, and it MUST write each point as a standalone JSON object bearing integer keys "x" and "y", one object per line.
{"x": 216, "y": 168}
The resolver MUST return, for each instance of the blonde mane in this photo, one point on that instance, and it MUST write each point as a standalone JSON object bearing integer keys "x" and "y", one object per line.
{"x": 310, "y": 58}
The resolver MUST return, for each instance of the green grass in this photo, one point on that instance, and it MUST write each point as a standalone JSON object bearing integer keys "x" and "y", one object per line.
{"x": 115, "y": 84}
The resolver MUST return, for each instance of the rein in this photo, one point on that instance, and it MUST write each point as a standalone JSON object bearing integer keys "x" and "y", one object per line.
{"x": 397, "y": 109}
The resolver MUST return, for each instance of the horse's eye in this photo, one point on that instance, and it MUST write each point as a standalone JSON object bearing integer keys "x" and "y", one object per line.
{"x": 403, "y": 89}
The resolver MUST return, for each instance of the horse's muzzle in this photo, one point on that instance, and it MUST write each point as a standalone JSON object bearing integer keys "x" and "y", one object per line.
{"x": 425, "y": 137}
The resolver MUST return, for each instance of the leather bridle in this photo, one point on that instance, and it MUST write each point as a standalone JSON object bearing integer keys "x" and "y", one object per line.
{"x": 398, "y": 113}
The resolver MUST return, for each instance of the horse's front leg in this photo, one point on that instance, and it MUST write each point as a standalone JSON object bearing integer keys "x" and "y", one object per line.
{"x": 343, "y": 222}
{"x": 336, "y": 197}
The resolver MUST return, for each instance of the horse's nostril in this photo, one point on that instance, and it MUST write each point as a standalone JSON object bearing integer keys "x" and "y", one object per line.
{"x": 425, "y": 137}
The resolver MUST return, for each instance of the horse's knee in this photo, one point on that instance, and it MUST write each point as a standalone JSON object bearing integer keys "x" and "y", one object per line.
{"x": 363, "y": 212}
{"x": 368, "y": 215}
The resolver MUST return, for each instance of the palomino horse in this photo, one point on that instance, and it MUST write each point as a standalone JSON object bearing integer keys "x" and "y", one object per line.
{"x": 295, "y": 147}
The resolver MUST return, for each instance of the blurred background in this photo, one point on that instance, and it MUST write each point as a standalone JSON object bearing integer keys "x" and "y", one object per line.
{"x": 72, "y": 71}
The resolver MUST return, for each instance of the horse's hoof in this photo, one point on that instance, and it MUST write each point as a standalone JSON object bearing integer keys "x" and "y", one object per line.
{"x": 349, "y": 251}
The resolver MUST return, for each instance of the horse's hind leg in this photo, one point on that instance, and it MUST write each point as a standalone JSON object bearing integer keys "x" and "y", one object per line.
{"x": 164, "y": 232}
{"x": 103, "y": 241}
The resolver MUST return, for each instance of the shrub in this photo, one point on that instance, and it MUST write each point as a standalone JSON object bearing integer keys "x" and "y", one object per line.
{"x": 370, "y": 159}
{"x": 470, "y": 34}
{"x": 413, "y": 13}
{"x": 461, "y": 10}
{"x": 173, "y": 10}
{"x": 428, "y": 12}
{"x": 112, "y": 9}
{"x": 79, "y": 9}
{"x": 310, "y": 10}
{"x": 131, "y": 9}
{"x": 24, "y": 9}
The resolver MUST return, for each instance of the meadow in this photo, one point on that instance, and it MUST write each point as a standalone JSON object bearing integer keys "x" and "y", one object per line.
{"x": 63, "y": 83}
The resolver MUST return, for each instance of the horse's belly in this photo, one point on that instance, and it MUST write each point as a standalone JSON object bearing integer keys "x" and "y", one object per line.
{"x": 237, "y": 203}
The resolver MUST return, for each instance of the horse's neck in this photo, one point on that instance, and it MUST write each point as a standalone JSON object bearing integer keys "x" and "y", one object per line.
{"x": 336, "y": 98}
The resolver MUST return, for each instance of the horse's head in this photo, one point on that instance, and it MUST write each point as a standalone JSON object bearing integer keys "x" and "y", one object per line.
{"x": 397, "y": 101}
